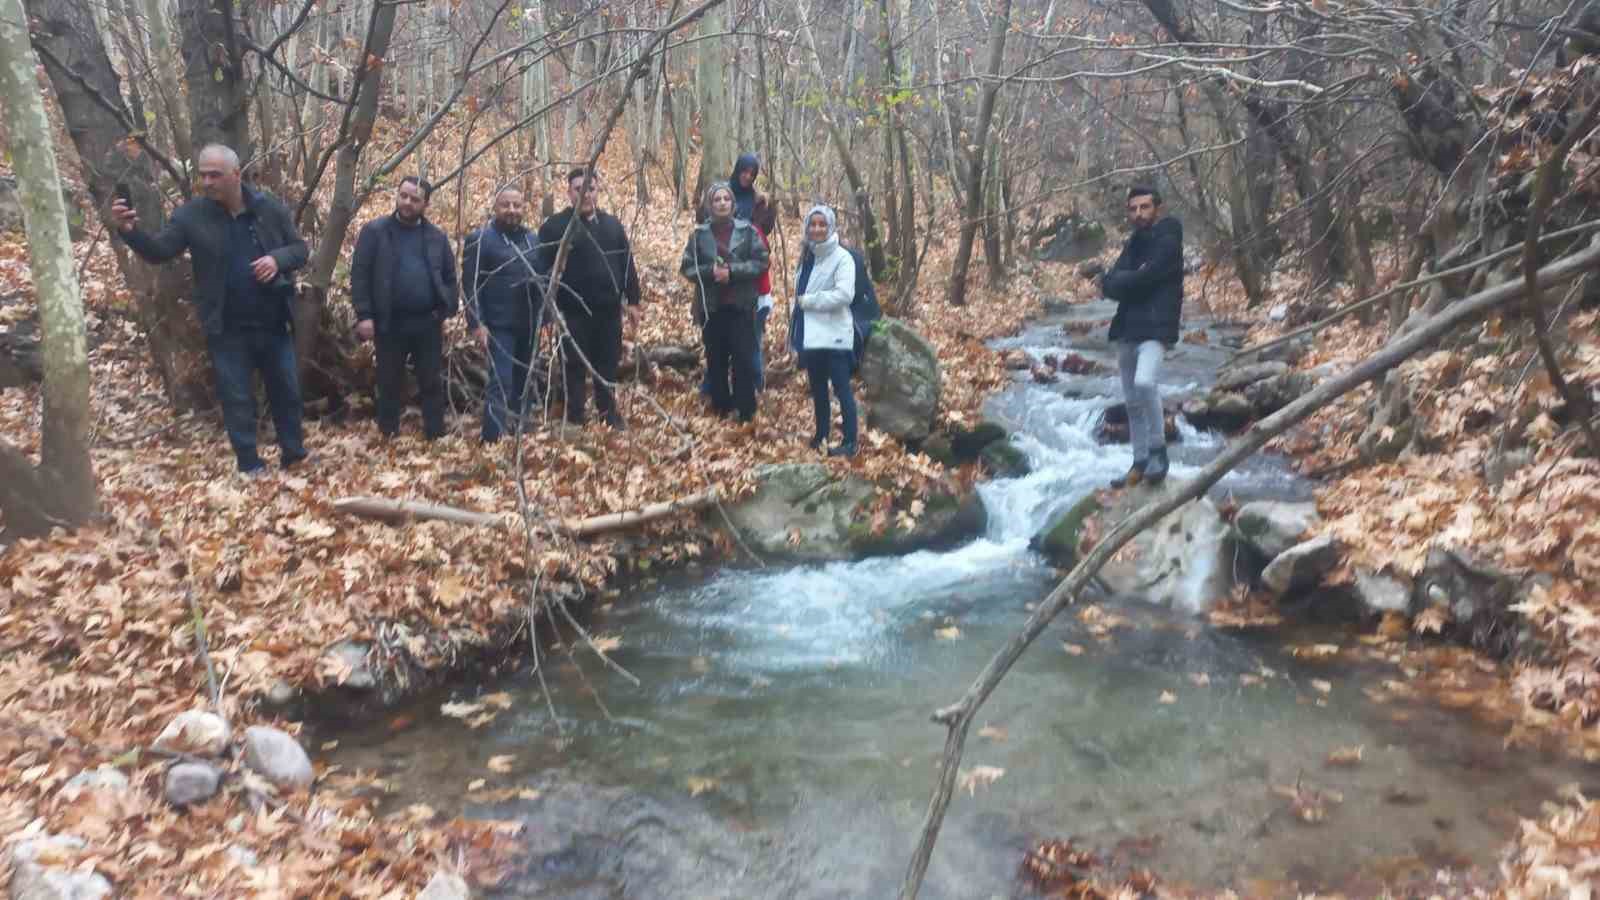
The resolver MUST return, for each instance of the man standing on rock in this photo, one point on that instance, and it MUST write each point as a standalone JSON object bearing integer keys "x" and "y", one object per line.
{"x": 598, "y": 283}
{"x": 403, "y": 287}
{"x": 243, "y": 247}
{"x": 498, "y": 273}
{"x": 1147, "y": 283}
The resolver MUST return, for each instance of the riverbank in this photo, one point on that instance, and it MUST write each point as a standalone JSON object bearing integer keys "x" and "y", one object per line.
{"x": 303, "y": 606}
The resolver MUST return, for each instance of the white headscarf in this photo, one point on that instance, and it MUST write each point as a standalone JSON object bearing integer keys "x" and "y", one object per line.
{"x": 821, "y": 249}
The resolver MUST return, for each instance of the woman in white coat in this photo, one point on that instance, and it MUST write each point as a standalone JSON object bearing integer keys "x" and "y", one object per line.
{"x": 824, "y": 287}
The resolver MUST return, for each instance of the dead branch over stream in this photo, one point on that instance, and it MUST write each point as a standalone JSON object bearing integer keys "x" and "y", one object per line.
{"x": 958, "y": 717}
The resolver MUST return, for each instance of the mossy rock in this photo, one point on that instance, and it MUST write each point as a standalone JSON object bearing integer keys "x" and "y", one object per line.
{"x": 938, "y": 448}
{"x": 967, "y": 444}
{"x": 1058, "y": 542}
{"x": 946, "y": 521}
{"x": 1002, "y": 459}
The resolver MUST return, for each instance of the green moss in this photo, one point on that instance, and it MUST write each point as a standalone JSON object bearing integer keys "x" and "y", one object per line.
{"x": 1003, "y": 460}
{"x": 1059, "y": 540}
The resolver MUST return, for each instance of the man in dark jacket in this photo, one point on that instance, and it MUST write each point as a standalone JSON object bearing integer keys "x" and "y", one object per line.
{"x": 499, "y": 273}
{"x": 243, "y": 247}
{"x": 403, "y": 286}
{"x": 597, "y": 284}
{"x": 1147, "y": 283}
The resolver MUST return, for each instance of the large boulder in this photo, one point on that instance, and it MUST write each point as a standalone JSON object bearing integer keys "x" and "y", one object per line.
{"x": 1236, "y": 378}
{"x": 1002, "y": 459}
{"x": 277, "y": 757}
{"x": 1058, "y": 541}
{"x": 900, "y": 381}
{"x": 1302, "y": 566}
{"x": 1269, "y": 395}
{"x": 42, "y": 868}
{"x": 1270, "y": 527}
{"x": 799, "y": 511}
{"x": 1184, "y": 561}
{"x": 1380, "y": 592}
{"x": 1224, "y": 411}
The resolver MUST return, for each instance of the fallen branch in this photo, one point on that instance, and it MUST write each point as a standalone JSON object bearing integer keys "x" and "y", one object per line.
{"x": 400, "y": 511}
{"x": 958, "y": 717}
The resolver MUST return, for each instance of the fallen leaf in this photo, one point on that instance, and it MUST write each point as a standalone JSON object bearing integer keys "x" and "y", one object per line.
{"x": 1169, "y": 697}
{"x": 699, "y": 785}
{"x": 947, "y": 634}
{"x": 979, "y": 776}
{"x": 1200, "y": 679}
{"x": 501, "y": 764}
{"x": 1346, "y": 756}
{"x": 1072, "y": 649}
{"x": 606, "y": 643}
{"x": 460, "y": 710}
{"x": 499, "y": 700}
{"x": 993, "y": 733}
{"x": 1321, "y": 685}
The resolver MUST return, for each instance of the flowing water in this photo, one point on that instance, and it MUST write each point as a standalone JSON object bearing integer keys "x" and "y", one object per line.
{"x": 779, "y": 743}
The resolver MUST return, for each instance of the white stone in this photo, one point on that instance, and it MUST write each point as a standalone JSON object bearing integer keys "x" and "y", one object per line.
{"x": 104, "y": 778}
{"x": 195, "y": 731}
{"x": 192, "y": 782}
{"x": 34, "y": 877}
{"x": 445, "y": 886}
{"x": 1279, "y": 312}
{"x": 277, "y": 757}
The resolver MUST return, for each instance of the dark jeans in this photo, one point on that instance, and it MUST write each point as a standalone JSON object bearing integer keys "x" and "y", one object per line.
{"x": 511, "y": 352}
{"x": 598, "y": 336}
{"x": 730, "y": 337}
{"x": 760, "y": 362}
{"x": 421, "y": 341}
{"x": 822, "y": 367}
{"x": 235, "y": 357}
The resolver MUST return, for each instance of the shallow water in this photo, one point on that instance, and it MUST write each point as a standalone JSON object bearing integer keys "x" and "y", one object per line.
{"x": 779, "y": 742}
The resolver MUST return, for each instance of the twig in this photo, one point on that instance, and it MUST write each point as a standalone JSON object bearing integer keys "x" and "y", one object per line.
{"x": 199, "y": 620}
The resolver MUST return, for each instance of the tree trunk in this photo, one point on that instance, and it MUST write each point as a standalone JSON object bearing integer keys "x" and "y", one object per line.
{"x": 213, "y": 70}
{"x": 61, "y": 489}
{"x": 998, "y": 26}
{"x": 89, "y": 93}
{"x": 716, "y": 153}
{"x": 165, "y": 59}
{"x": 311, "y": 304}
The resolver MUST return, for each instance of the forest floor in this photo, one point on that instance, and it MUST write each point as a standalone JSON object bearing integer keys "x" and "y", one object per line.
{"x": 98, "y": 644}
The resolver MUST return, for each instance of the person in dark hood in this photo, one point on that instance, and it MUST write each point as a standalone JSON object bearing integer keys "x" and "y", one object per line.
{"x": 1147, "y": 283}
{"x": 750, "y": 204}
{"x": 724, "y": 259}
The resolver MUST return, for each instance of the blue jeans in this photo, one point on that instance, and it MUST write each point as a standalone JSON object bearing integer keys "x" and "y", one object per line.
{"x": 511, "y": 352}
{"x": 823, "y": 367}
{"x": 235, "y": 357}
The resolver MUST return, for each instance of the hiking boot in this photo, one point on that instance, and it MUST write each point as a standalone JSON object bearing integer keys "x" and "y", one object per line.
{"x": 1156, "y": 471}
{"x": 843, "y": 450}
{"x": 818, "y": 441}
{"x": 1134, "y": 476}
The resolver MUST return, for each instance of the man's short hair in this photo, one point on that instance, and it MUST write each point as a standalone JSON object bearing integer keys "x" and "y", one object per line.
{"x": 423, "y": 185}
{"x": 577, "y": 172}
{"x": 1140, "y": 190}
{"x": 510, "y": 187}
{"x": 220, "y": 150}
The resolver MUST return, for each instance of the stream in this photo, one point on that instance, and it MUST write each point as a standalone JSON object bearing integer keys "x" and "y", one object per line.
{"x": 778, "y": 743}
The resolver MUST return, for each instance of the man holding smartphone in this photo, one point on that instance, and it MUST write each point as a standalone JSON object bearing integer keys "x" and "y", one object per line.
{"x": 243, "y": 247}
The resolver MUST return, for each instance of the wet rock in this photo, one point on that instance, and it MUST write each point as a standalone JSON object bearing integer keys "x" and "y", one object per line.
{"x": 192, "y": 782}
{"x": 352, "y": 657}
{"x": 946, "y": 521}
{"x": 445, "y": 886}
{"x": 277, "y": 757}
{"x": 1474, "y": 593}
{"x": 195, "y": 731}
{"x": 1058, "y": 541}
{"x": 1270, "y": 527}
{"x": 1184, "y": 561}
{"x": 1002, "y": 459}
{"x": 799, "y": 511}
{"x": 940, "y": 449}
{"x": 1382, "y": 593}
{"x": 1078, "y": 364}
{"x": 1016, "y": 360}
{"x": 1269, "y": 395}
{"x": 1302, "y": 566}
{"x": 1238, "y": 377}
{"x": 40, "y": 870}
{"x": 1226, "y": 412}
{"x": 1044, "y": 375}
{"x": 1113, "y": 427}
{"x": 900, "y": 380}
{"x": 967, "y": 444}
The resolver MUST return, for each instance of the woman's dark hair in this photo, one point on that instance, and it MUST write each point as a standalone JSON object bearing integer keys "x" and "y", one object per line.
{"x": 1140, "y": 190}
{"x": 423, "y": 185}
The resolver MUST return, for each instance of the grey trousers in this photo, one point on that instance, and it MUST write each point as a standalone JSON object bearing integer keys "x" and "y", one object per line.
{"x": 1140, "y": 365}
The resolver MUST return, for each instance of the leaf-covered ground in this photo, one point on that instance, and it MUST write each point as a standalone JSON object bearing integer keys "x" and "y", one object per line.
{"x": 97, "y": 643}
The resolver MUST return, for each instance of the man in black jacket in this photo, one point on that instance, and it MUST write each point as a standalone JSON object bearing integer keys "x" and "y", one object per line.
{"x": 1147, "y": 283}
{"x": 498, "y": 273}
{"x": 403, "y": 286}
{"x": 243, "y": 246}
{"x": 598, "y": 283}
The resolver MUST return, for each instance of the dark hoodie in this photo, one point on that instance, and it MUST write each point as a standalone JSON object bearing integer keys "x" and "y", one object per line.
{"x": 744, "y": 198}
